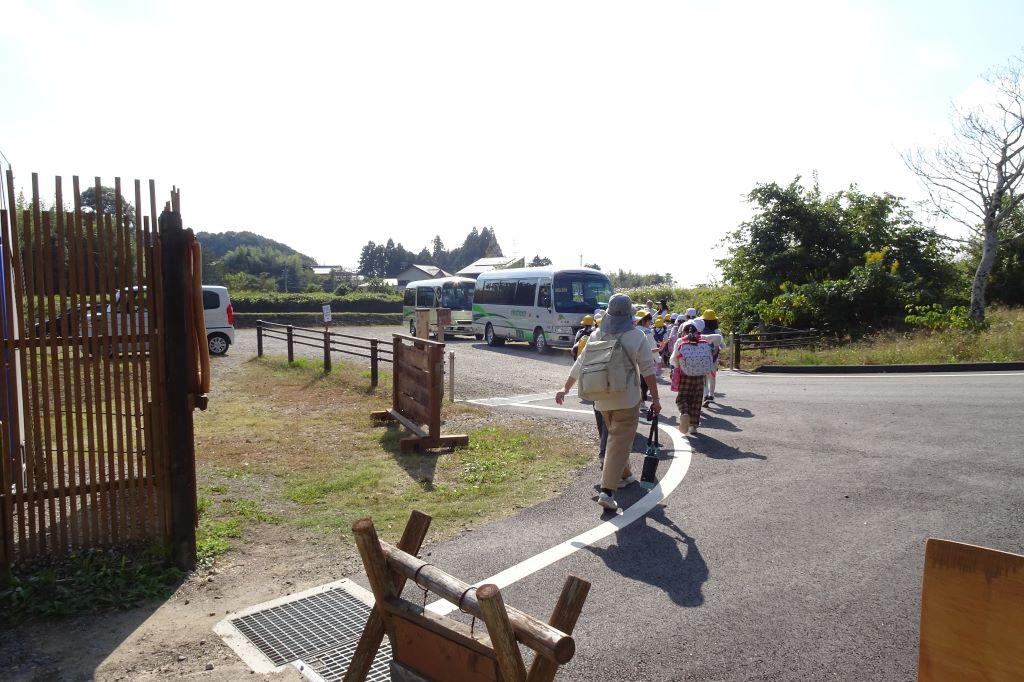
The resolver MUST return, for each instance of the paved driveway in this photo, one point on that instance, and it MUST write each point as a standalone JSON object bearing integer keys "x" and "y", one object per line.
{"x": 793, "y": 548}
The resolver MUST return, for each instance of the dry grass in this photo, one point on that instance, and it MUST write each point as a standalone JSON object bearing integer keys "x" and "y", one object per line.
{"x": 291, "y": 445}
{"x": 1002, "y": 341}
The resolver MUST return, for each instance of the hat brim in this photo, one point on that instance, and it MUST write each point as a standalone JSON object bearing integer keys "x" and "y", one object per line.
{"x": 615, "y": 324}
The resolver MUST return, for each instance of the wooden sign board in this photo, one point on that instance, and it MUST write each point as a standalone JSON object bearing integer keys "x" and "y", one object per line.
{"x": 972, "y": 614}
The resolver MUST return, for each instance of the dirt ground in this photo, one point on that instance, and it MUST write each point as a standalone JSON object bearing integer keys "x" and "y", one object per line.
{"x": 175, "y": 638}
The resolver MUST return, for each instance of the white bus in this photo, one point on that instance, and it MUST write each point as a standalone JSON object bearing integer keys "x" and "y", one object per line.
{"x": 446, "y": 292}
{"x": 542, "y": 306}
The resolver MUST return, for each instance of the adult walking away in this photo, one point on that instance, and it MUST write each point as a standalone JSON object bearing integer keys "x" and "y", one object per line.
{"x": 590, "y": 323}
{"x": 617, "y": 358}
{"x": 691, "y": 361}
{"x": 714, "y": 337}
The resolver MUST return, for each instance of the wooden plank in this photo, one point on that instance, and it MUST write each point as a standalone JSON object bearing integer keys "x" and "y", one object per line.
{"x": 6, "y": 506}
{"x": 506, "y": 649}
{"x": 123, "y": 385}
{"x": 40, "y": 469}
{"x": 83, "y": 382}
{"x": 539, "y": 636}
{"x": 159, "y": 444}
{"x": 438, "y": 655}
{"x": 407, "y": 423}
{"x": 97, "y": 448}
{"x": 114, "y": 465}
{"x": 410, "y": 408}
{"x": 564, "y": 616}
{"x": 972, "y": 613}
{"x": 435, "y": 359}
{"x": 142, "y": 368}
{"x": 64, "y": 293}
{"x": 416, "y": 358}
{"x": 52, "y": 401}
{"x": 381, "y": 580}
{"x": 22, "y": 250}
{"x": 15, "y": 387}
{"x": 74, "y": 489}
{"x": 373, "y": 632}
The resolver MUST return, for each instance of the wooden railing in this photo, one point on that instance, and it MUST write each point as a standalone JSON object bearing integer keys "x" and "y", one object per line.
{"x": 789, "y": 338}
{"x": 374, "y": 350}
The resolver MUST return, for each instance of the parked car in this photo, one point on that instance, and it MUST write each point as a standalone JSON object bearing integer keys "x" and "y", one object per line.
{"x": 217, "y": 312}
{"x": 220, "y": 319}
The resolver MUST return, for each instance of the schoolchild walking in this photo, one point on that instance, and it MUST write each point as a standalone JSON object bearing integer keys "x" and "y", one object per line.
{"x": 582, "y": 335}
{"x": 714, "y": 337}
{"x": 616, "y": 361}
{"x": 691, "y": 361}
{"x": 660, "y": 334}
{"x": 644, "y": 324}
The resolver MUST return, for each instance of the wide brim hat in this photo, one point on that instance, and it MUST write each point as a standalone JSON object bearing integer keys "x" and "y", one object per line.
{"x": 709, "y": 314}
{"x": 619, "y": 315}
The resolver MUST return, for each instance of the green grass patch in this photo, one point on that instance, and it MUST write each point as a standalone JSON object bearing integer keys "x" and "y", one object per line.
{"x": 87, "y": 582}
{"x": 1001, "y": 341}
{"x": 307, "y": 451}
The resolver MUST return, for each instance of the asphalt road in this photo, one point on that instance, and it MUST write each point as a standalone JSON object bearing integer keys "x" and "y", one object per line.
{"x": 793, "y": 549}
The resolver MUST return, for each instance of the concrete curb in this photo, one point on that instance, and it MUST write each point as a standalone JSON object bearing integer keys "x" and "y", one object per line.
{"x": 891, "y": 369}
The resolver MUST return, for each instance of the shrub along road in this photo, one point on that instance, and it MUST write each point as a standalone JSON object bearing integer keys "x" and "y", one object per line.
{"x": 794, "y": 547}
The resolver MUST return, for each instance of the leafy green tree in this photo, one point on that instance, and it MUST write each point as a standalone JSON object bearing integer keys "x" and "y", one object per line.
{"x": 592, "y": 266}
{"x": 811, "y": 259}
{"x": 108, "y": 203}
{"x": 538, "y": 262}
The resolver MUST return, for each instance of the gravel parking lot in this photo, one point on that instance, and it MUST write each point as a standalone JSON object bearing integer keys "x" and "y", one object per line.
{"x": 480, "y": 372}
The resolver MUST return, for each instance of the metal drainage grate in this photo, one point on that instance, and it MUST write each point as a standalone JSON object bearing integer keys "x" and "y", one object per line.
{"x": 331, "y": 665}
{"x": 307, "y": 626}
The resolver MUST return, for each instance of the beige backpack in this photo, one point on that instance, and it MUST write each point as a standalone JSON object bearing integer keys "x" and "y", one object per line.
{"x": 606, "y": 370}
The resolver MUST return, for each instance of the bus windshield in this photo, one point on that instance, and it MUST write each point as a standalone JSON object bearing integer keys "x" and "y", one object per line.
{"x": 581, "y": 292}
{"x": 457, "y": 296}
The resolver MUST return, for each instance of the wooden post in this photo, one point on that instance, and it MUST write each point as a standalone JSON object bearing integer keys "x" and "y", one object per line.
{"x": 259, "y": 338}
{"x": 373, "y": 634}
{"x": 177, "y": 401}
{"x": 377, "y": 572}
{"x": 291, "y": 349}
{"x": 451, "y": 376}
{"x": 563, "y": 617}
{"x": 327, "y": 351}
{"x": 373, "y": 363}
{"x": 503, "y": 639}
{"x": 736, "y": 350}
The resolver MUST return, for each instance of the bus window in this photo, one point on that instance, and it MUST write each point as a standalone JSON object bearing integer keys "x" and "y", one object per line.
{"x": 410, "y": 298}
{"x": 457, "y": 296}
{"x": 506, "y": 292}
{"x": 526, "y": 292}
{"x": 581, "y": 293}
{"x": 544, "y": 297}
{"x": 425, "y": 297}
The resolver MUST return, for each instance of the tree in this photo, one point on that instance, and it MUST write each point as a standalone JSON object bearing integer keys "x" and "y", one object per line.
{"x": 539, "y": 262}
{"x": 975, "y": 178}
{"x": 108, "y": 203}
{"x": 592, "y": 266}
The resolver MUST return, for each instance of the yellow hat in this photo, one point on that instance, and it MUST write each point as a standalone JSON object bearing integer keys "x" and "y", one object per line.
{"x": 659, "y": 323}
{"x": 709, "y": 314}
{"x": 588, "y": 321}
{"x": 642, "y": 313}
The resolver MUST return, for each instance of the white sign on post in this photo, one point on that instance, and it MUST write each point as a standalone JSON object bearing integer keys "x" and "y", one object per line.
{"x": 327, "y": 313}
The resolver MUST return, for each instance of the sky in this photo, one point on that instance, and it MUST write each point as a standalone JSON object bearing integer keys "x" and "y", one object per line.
{"x": 625, "y": 134}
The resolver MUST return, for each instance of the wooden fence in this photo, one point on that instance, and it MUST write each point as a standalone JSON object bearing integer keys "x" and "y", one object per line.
{"x": 88, "y": 455}
{"x": 374, "y": 350}
{"x": 791, "y": 338}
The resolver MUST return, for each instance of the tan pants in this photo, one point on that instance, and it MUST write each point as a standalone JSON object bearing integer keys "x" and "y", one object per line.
{"x": 621, "y": 426}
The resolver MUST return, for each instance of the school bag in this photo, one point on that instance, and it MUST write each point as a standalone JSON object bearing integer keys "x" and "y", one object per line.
{"x": 606, "y": 370}
{"x": 696, "y": 358}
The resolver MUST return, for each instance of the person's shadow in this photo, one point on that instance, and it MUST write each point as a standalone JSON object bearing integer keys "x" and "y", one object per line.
{"x": 716, "y": 449}
{"x": 664, "y": 557}
{"x": 729, "y": 410}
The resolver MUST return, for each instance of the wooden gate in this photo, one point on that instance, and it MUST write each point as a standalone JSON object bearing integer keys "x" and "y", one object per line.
{"x": 85, "y": 410}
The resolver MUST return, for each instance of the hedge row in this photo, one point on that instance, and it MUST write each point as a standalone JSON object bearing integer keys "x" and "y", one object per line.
{"x": 316, "y": 320}
{"x": 312, "y": 302}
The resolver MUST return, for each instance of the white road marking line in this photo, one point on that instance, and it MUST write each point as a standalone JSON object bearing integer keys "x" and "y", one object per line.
{"x": 885, "y": 375}
{"x": 677, "y": 469}
{"x": 514, "y": 399}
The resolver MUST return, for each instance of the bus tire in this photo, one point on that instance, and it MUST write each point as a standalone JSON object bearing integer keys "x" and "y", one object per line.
{"x": 540, "y": 341}
{"x": 492, "y": 338}
{"x": 412, "y": 327}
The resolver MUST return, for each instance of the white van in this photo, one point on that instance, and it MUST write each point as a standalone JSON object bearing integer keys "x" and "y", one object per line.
{"x": 542, "y": 306}
{"x": 217, "y": 312}
{"x": 455, "y": 293}
{"x": 220, "y": 319}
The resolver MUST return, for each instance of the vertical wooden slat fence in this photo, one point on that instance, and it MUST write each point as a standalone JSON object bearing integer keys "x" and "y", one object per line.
{"x": 85, "y": 441}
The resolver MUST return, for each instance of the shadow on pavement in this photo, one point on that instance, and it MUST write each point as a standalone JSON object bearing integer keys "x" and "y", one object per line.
{"x": 716, "y": 449}
{"x": 710, "y": 421}
{"x": 728, "y": 410}
{"x": 660, "y": 554}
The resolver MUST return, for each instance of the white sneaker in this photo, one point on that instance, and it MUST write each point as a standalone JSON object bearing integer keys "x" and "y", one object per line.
{"x": 627, "y": 480}
{"x": 607, "y": 501}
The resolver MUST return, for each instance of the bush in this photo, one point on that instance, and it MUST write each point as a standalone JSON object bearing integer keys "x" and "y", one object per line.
{"x": 679, "y": 299}
{"x": 936, "y": 318}
{"x": 316, "y": 320}
{"x": 313, "y": 301}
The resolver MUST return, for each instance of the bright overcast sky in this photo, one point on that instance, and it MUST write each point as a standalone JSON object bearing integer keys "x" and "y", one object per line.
{"x": 627, "y": 131}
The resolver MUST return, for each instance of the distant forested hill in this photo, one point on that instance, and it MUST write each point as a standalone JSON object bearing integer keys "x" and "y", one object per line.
{"x": 217, "y": 244}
